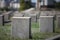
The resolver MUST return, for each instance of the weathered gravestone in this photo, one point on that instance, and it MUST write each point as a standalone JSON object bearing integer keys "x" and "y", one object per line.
{"x": 21, "y": 27}
{"x": 43, "y": 13}
{"x": 57, "y": 12}
{"x": 1, "y": 20}
{"x": 33, "y": 17}
{"x": 6, "y": 17}
{"x": 10, "y": 14}
{"x": 30, "y": 13}
{"x": 38, "y": 14}
{"x": 47, "y": 13}
{"x": 18, "y": 15}
{"x": 46, "y": 24}
{"x": 58, "y": 21}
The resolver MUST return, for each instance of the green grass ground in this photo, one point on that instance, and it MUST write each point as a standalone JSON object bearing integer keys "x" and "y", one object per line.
{"x": 5, "y": 33}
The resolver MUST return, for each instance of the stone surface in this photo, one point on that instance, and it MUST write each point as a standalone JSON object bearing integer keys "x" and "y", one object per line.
{"x": 57, "y": 12}
{"x": 46, "y": 24}
{"x": 47, "y": 13}
{"x": 18, "y": 15}
{"x": 6, "y": 16}
{"x": 58, "y": 21}
{"x": 38, "y": 14}
{"x": 21, "y": 27}
{"x": 1, "y": 20}
{"x": 11, "y": 13}
{"x": 34, "y": 18}
{"x": 32, "y": 15}
{"x": 44, "y": 14}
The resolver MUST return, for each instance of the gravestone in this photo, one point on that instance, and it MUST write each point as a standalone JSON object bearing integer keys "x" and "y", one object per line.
{"x": 47, "y": 13}
{"x": 18, "y": 15}
{"x": 44, "y": 13}
{"x": 29, "y": 10}
{"x": 57, "y": 12}
{"x": 1, "y": 20}
{"x": 46, "y": 24}
{"x": 21, "y": 27}
{"x": 6, "y": 16}
{"x": 33, "y": 17}
{"x": 10, "y": 14}
{"x": 38, "y": 14}
{"x": 58, "y": 21}
{"x": 31, "y": 13}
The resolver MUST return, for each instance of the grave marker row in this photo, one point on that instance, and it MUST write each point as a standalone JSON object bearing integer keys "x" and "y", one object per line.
{"x": 21, "y": 26}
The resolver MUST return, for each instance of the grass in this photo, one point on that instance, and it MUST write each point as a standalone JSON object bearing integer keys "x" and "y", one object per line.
{"x": 43, "y": 35}
{"x": 5, "y": 33}
{"x": 35, "y": 25}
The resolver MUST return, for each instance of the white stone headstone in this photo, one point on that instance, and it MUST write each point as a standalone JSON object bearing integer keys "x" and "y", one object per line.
{"x": 46, "y": 24}
{"x": 21, "y": 27}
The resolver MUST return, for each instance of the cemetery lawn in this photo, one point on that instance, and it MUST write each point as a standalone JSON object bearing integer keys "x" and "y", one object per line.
{"x": 5, "y": 32}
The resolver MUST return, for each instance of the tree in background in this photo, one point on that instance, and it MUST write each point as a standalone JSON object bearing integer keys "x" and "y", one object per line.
{"x": 57, "y": 5}
{"x": 24, "y": 5}
{"x": 28, "y": 4}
